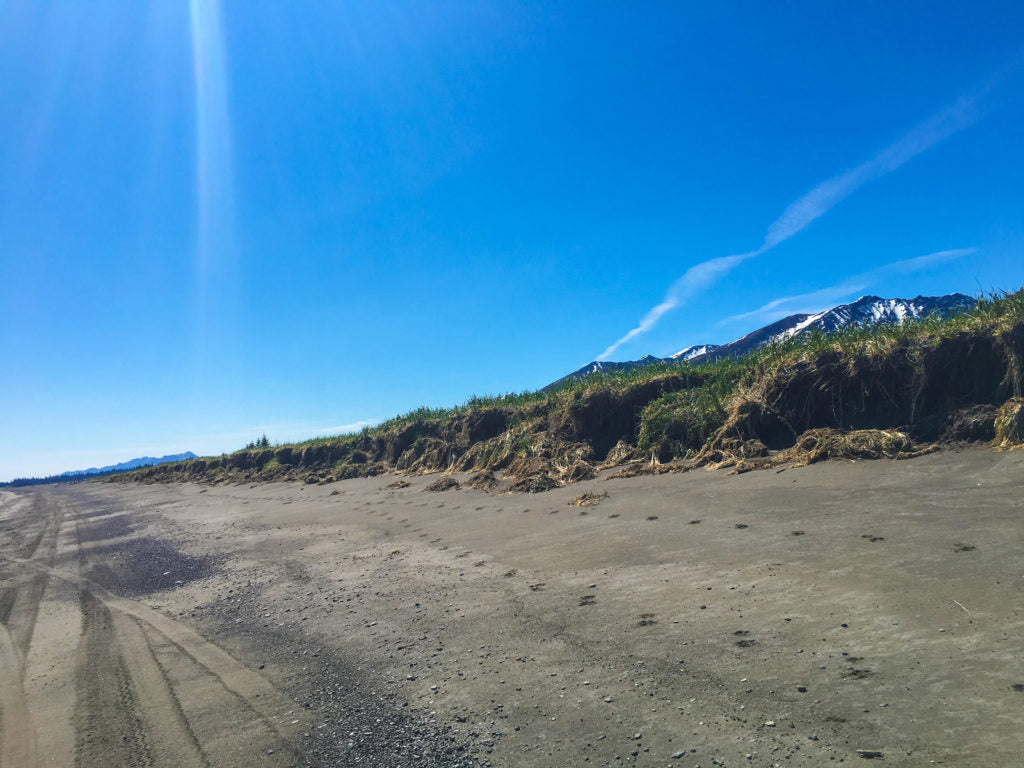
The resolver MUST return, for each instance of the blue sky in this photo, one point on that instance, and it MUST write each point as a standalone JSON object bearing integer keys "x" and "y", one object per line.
{"x": 220, "y": 219}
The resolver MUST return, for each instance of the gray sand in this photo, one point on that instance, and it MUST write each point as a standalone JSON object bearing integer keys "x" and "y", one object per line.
{"x": 771, "y": 618}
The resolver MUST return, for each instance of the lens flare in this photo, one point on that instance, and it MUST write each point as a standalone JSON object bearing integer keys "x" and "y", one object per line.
{"x": 214, "y": 198}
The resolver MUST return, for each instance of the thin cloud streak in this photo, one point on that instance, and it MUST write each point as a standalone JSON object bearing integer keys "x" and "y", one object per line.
{"x": 823, "y": 298}
{"x": 961, "y": 114}
{"x": 955, "y": 117}
{"x": 696, "y": 278}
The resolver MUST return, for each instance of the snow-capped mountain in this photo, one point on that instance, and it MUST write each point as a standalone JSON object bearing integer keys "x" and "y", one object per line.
{"x": 604, "y": 366}
{"x": 865, "y": 311}
{"x": 691, "y": 352}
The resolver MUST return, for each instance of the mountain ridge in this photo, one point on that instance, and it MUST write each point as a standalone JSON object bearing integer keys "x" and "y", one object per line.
{"x": 141, "y": 461}
{"x": 865, "y": 311}
{"x": 91, "y": 472}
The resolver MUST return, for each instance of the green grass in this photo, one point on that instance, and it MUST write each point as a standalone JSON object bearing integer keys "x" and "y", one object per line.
{"x": 993, "y": 311}
{"x": 687, "y": 419}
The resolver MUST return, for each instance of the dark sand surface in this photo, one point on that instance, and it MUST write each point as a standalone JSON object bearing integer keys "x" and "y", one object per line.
{"x": 773, "y": 618}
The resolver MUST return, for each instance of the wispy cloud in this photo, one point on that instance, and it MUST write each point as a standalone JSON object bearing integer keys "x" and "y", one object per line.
{"x": 954, "y": 117}
{"x": 695, "y": 279}
{"x": 823, "y": 298}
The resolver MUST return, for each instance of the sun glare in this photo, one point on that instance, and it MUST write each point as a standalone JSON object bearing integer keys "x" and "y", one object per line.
{"x": 213, "y": 139}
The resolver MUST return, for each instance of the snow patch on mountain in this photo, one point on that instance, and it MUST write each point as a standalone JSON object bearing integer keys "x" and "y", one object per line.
{"x": 691, "y": 352}
{"x": 865, "y": 311}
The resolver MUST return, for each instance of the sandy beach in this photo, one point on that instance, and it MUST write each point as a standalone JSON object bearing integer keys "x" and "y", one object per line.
{"x": 808, "y": 616}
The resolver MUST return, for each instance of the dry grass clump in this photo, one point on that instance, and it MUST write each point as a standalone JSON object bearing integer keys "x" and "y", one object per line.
{"x": 823, "y": 444}
{"x": 1010, "y": 424}
{"x": 443, "y": 484}
{"x": 575, "y": 472}
{"x": 485, "y": 480}
{"x": 588, "y": 499}
{"x": 882, "y": 391}
{"x": 621, "y": 453}
{"x": 975, "y": 423}
{"x": 647, "y": 468}
{"x": 534, "y": 484}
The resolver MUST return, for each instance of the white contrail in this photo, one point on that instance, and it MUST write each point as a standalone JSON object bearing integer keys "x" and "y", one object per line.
{"x": 696, "y": 277}
{"x": 960, "y": 114}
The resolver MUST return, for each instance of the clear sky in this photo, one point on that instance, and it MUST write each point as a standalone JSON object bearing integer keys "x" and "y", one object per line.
{"x": 220, "y": 219}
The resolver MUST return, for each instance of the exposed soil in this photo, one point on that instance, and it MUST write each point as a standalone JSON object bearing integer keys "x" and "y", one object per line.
{"x": 803, "y": 616}
{"x": 897, "y": 397}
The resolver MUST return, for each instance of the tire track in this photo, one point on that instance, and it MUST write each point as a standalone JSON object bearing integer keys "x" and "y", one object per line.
{"x": 171, "y": 735}
{"x": 115, "y": 682}
{"x": 19, "y": 612}
{"x": 256, "y": 690}
{"x": 48, "y": 678}
{"x": 17, "y": 742}
{"x": 224, "y": 723}
{"x": 30, "y": 586}
{"x": 200, "y": 706}
{"x": 108, "y": 728}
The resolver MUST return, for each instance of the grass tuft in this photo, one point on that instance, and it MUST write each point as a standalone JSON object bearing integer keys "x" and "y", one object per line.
{"x": 888, "y": 383}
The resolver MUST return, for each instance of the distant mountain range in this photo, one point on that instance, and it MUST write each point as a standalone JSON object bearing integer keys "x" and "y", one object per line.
{"x": 124, "y": 466}
{"x": 81, "y": 474}
{"x": 865, "y": 311}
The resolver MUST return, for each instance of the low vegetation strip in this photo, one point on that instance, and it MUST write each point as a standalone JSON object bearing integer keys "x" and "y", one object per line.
{"x": 883, "y": 391}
